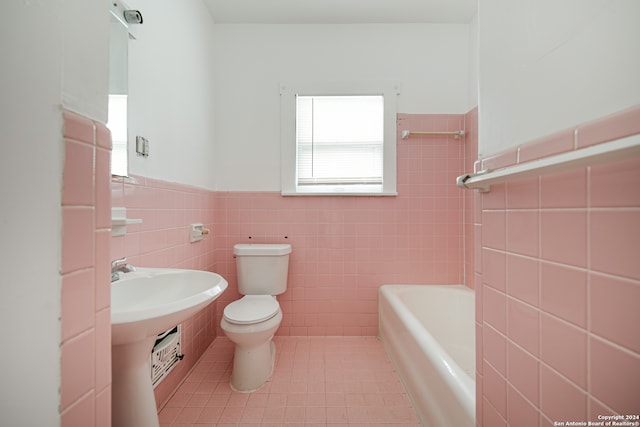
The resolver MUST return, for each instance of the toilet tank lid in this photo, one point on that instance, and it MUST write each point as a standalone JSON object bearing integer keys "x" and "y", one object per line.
{"x": 261, "y": 249}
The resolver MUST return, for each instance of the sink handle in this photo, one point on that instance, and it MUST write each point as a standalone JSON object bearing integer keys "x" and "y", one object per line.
{"x": 115, "y": 263}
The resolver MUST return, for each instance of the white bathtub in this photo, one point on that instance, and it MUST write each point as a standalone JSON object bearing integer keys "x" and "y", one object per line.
{"x": 428, "y": 332}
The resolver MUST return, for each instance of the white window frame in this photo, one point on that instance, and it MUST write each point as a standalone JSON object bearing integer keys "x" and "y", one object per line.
{"x": 288, "y": 93}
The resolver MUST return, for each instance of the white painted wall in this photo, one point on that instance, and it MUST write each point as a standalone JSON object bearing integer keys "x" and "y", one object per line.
{"x": 56, "y": 53}
{"x": 430, "y": 61}
{"x": 53, "y": 54}
{"x": 30, "y": 218}
{"x": 472, "y": 76}
{"x": 171, "y": 92}
{"x": 85, "y": 77}
{"x": 546, "y": 65}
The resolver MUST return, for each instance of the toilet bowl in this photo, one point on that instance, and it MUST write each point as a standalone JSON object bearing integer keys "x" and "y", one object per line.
{"x": 254, "y": 355}
{"x": 252, "y": 321}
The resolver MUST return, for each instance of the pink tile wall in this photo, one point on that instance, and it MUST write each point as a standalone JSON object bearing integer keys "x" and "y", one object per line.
{"x": 85, "y": 395}
{"x": 558, "y": 286}
{"x": 344, "y": 248}
{"x": 162, "y": 240}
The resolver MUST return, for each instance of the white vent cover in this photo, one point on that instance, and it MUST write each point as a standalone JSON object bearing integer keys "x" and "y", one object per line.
{"x": 165, "y": 354}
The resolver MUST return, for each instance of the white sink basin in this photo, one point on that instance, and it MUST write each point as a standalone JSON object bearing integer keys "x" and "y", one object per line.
{"x": 149, "y": 301}
{"x": 144, "y": 303}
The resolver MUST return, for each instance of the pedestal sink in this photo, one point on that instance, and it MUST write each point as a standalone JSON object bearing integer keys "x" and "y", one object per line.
{"x": 144, "y": 303}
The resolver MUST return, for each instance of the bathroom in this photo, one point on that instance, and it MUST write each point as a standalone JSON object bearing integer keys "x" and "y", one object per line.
{"x": 535, "y": 70}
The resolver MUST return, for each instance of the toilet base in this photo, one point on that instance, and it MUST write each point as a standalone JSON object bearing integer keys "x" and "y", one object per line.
{"x": 252, "y": 367}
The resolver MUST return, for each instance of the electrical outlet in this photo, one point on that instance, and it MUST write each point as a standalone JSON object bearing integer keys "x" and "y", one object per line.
{"x": 139, "y": 145}
{"x": 142, "y": 146}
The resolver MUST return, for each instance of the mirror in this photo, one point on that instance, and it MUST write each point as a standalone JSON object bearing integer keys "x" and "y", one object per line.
{"x": 118, "y": 92}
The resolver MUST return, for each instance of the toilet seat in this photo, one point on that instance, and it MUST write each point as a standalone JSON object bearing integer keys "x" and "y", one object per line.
{"x": 251, "y": 309}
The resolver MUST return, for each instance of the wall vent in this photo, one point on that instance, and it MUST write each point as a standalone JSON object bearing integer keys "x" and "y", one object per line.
{"x": 165, "y": 354}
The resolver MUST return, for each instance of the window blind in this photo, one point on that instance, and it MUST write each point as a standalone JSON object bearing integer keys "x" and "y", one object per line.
{"x": 339, "y": 140}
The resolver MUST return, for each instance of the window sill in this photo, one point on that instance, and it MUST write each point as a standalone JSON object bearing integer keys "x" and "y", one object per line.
{"x": 339, "y": 194}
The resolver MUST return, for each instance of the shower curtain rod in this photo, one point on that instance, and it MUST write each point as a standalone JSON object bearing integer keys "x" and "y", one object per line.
{"x": 456, "y": 134}
{"x": 619, "y": 149}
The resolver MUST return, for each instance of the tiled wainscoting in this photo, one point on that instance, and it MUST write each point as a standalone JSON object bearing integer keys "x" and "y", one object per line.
{"x": 558, "y": 286}
{"x": 85, "y": 395}
{"x": 344, "y": 248}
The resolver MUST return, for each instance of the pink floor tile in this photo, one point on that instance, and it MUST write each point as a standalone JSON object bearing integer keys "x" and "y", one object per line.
{"x": 317, "y": 381}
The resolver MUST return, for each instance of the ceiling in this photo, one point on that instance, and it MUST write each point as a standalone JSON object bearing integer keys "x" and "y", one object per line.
{"x": 341, "y": 11}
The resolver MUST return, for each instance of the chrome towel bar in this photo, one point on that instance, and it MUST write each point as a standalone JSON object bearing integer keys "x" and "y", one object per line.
{"x": 619, "y": 149}
{"x": 456, "y": 134}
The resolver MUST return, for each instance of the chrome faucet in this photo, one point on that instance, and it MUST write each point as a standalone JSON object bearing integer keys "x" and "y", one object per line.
{"x": 120, "y": 266}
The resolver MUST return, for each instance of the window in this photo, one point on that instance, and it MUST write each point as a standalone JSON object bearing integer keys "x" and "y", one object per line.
{"x": 117, "y": 124}
{"x": 338, "y": 140}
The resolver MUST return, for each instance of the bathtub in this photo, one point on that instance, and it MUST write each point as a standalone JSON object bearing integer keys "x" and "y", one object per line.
{"x": 428, "y": 332}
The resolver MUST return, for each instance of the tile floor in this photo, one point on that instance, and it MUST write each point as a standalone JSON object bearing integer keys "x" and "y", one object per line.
{"x": 318, "y": 381}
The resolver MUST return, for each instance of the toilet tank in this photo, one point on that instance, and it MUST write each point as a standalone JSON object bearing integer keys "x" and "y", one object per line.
{"x": 262, "y": 268}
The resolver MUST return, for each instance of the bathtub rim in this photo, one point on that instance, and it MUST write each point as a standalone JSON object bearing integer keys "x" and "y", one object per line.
{"x": 459, "y": 381}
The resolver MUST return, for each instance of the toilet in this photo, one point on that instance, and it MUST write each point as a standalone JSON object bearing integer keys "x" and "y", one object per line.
{"x": 251, "y": 321}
